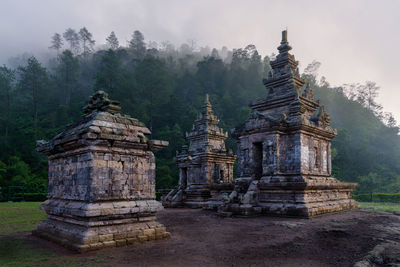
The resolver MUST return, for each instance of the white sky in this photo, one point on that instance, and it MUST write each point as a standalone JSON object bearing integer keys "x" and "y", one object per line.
{"x": 354, "y": 40}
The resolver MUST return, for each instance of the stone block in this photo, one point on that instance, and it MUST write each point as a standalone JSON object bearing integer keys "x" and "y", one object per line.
{"x": 118, "y": 236}
{"x": 120, "y": 242}
{"x": 143, "y": 238}
{"x": 107, "y": 244}
{"x": 107, "y": 237}
{"x": 131, "y": 240}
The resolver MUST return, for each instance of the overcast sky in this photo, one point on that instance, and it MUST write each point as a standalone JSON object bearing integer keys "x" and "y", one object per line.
{"x": 355, "y": 41}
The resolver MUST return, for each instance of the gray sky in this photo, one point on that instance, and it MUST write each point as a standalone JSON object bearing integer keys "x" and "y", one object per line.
{"x": 354, "y": 40}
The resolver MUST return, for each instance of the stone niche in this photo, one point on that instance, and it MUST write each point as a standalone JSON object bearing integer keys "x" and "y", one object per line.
{"x": 101, "y": 181}
{"x": 205, "y": 166}
{"x": 284, "y": 151}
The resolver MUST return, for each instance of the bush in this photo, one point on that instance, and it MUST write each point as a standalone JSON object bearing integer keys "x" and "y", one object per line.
{"x": 19, "y": 195}
{"x": 378, "y": 197}
{"x": 35, "y": 196}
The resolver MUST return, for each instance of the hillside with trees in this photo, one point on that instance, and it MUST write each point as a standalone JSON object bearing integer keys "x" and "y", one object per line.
{"x": 164, "y": 86}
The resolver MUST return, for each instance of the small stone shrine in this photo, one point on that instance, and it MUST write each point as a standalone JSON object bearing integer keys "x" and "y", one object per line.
{"x": 284, "y": 151}
{"x": 101, "y": 181}
{"x": 205, "y": 167}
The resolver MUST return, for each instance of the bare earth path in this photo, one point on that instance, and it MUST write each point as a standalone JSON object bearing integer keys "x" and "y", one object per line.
{"x": 201, "y": 238}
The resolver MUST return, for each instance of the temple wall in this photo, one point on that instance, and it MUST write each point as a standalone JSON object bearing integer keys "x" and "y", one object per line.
{"x": 93, "y": 176}
{"x": 289, "y": 155}
{"x": 194, "y": 175}
{"x": 315, "y": 155}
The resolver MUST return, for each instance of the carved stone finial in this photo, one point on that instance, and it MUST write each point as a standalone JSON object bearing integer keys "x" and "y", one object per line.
{"x": 284, "y": 47}
{"x": 100, "y": 102}
{"x": 284, "y": 37}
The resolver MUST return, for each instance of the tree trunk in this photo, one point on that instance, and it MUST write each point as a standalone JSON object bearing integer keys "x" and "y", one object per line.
{"x": 151, "y": 114}
{"x": 35, "y": 111}
{"x": 8, "y": 115}
{"x": 68, "y": 89}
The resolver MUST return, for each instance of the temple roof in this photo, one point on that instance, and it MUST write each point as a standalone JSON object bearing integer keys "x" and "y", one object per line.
{"x": 290, "y": 99}
{"x": 102, "y": 123}
{"x": 206, "y": 124}
{"x": 206, "y": 136}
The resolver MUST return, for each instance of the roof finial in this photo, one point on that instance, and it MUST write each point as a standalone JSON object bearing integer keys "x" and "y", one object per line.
{"x": 207, "y": 99}
{"x": 284, "y": 37}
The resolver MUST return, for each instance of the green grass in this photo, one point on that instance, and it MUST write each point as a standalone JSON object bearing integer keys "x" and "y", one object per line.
{"x": 390, "y": 207}
{"x": 19, "y": 252}
{"x": 16, "y": 217}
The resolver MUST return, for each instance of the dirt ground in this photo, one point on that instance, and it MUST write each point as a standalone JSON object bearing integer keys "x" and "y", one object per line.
{"x": 201, "y": 238}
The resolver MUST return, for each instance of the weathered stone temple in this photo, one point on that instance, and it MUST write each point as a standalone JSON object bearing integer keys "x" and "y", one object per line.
{"x": 205, "y": 167}
{"x": 101, "y": 181}
{"x": 284, "y": 151}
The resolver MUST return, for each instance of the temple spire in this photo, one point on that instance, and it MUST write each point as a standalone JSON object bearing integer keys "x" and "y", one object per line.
{"x": 284, "y": 37}
{"x": 284, "y": 47}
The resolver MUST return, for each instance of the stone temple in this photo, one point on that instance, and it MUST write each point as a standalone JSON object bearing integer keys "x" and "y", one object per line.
{"x": 284, "y": 151}
{"x": 205, "y": 167}
{"x": 101, "y": 181}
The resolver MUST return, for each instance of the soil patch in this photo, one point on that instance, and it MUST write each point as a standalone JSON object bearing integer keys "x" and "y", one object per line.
{"x": 202, "y": 238}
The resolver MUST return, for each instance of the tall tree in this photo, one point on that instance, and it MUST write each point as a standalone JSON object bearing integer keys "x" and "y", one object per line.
{"x": 72, "y": 38}
{"x": 137, "y": 45}
{"x": 67, "y": 74}
{"x": 7, "y": 77}
{"x": 367, "y": 95}
{"x": 87, "y": 41}
{"x": 33, "y": 79}
{"x": 56, "y": 42}
{"x": 112, "y": 41}
{"x": 109, "y": 73}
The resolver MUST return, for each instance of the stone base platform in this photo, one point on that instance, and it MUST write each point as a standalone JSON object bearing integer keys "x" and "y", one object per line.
{"x": 307, "y": 198}
{"x": 219, "y": 196}
{"x": 90, "y": 226}
{"x": 189, "y": 198}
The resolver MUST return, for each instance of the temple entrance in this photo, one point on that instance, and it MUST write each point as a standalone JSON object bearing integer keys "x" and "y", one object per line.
{"x": 183, "y": 177}
{"x": 257, "y": 157}
{"x": 217, "y": 169}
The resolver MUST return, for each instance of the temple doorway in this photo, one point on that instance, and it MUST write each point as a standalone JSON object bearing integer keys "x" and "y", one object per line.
{"x": 257, "y": 157}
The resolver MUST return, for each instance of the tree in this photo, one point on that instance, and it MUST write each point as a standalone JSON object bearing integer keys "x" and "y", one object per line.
{"x": 7, "y": 77}
{"x": 312, "y": 68}
{"x": 137, "y": 45}
{"x": 109, "y": 72}
{"x": 72, "y": 38}
{"x": 112, "y": 41}
{"x": 33, "y": 79}
{"x": 367, "y": 94}
{"x": 56, "y": 42}
{"x": 67, "y": 74}
{"x": 311, "y": 71}
{"x": 214, "y": 53}
{"x": 151, "y": 76}
{"x": 266, "y": 66}
{"x": 87, "y": 41}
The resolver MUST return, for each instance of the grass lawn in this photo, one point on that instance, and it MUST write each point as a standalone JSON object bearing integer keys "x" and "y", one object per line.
{"x": 16, "y": 217}
{"x": 390, "y": 207}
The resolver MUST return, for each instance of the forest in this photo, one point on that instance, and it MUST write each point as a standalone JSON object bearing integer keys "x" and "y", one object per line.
{"x": 164, "y": 86}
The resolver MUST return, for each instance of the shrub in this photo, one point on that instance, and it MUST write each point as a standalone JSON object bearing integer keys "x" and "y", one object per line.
{"x": 378, "y": 197}
{"x": 35, "y": 196}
